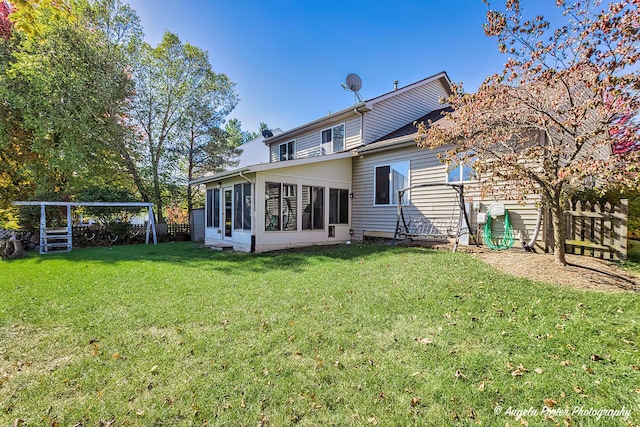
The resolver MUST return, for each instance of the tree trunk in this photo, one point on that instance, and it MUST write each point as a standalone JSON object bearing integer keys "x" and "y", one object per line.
{"x": 559, "y": 230}
{"x": 158, "y": 196}
{"x": 133, "y": 171}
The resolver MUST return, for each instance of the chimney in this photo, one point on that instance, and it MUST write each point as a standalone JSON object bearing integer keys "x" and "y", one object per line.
{"x": 395, "y": 84}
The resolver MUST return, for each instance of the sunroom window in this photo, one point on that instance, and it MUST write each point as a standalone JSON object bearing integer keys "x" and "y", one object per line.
{"x": 281, "y": 204}
{"x": 312, "y": 208}
{"x": 338, "y": 206}
{"x": 213, "y": 207}
{"x": 242, "y": 206}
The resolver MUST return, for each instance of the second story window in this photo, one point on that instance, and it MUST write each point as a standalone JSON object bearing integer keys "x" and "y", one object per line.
{"x": 288, "y": 151}
{"x": 333, "y": 139}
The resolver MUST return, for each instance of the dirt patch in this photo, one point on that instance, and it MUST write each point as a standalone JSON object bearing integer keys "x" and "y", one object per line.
{"x": 582, "y": 272}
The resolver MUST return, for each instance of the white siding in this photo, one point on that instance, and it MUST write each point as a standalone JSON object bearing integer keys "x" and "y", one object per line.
{"x": 432, "y": 202}
{"x": 308, "y": 143}
{"x": 394, "y": 112}
{"x": 424, "y": 167}
{"x": 353, "y": 134}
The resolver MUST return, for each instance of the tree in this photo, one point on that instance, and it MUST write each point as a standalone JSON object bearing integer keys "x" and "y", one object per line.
{"x": 253, "y": 135}
{"x": 6, "y": 27}
{"x": 544, "y": 124}
{"x": 179, "y": 103}
{"x": 206, "y": 149}
{"x": 30, "y": 16}
{"x": 62, "y": 87}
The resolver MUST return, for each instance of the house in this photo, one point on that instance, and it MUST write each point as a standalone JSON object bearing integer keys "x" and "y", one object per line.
{"x": 253, "y": 152}
{"x": 335, "y": 179}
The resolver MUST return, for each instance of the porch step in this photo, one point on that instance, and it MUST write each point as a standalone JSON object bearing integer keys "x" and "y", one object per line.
{"x": 220, "y": 247}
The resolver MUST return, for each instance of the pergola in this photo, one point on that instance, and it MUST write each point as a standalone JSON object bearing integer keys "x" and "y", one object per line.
{"x": 62, "y": 237}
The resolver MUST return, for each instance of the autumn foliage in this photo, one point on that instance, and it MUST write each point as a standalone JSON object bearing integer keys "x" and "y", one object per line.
{"x": 562, "y": 113}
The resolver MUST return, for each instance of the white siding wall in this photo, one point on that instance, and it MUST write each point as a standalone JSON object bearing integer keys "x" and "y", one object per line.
{"x": 392, "y": 113}
{"x": 432, "y": 202}
{"x": 424, "y": 167}
{"x": 308, "y": 143}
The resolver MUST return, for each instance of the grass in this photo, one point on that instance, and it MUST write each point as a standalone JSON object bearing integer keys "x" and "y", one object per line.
{"x": 633, "y": 255}
{"x": 176, "y": 335}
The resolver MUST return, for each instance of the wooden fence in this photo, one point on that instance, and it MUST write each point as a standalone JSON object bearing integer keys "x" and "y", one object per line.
{"x": 597, "y": 230}
{"x": 172, "y": 229}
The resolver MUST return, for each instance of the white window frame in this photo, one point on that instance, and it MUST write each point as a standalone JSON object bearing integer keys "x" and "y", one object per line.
{"x": 330, "y": 142}
{"x": 460, "y": 169}
{"x": 391, "y": 165}
{"x": 289, "y": 155}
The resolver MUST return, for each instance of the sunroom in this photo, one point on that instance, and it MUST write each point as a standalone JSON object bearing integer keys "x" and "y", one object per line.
{"x": 280, "y": 205}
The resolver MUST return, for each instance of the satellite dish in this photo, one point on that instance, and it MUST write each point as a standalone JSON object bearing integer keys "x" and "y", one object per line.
{"x": 354, "y": 82}
{"x": 267, "y": 133}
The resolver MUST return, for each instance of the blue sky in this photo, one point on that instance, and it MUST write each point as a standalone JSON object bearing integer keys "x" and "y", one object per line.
{"x": 288, "y": 58}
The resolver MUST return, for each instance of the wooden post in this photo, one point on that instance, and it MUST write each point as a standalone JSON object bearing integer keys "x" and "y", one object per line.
{"x": 621, "y": 226}
{"x": 599, "y": 228}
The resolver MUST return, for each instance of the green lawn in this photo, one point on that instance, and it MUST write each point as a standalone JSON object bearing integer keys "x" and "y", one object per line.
{"x": 177, "y": 335}
{"x": 634, "y": 251}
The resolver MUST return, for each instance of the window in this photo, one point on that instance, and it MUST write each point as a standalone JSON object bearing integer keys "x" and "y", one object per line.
{"x": 338, "y": 206}
{"x": 332, "y": 139}
{"x": 216, "y": 208}
{"x": 388, "y": 180}
{"x": 289, "y": 207}
{"x": 213, "y": 207}
{"x": 242, "y": 206}
{"x": 461, "y": 173}
{"x": 281, "y": 207}
{"x": 287, "y": 150}
{"x": 312, "y": 208}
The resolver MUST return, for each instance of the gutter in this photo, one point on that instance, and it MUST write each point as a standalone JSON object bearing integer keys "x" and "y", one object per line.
{"x": 287, "y": 135}
{"x": 219, "y": 176}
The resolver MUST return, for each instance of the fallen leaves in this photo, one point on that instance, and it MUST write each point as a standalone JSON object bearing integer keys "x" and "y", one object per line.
{"x": 520, "y": 370}
{"x": 459, "y": 374}
{"x": 587, "y": 369}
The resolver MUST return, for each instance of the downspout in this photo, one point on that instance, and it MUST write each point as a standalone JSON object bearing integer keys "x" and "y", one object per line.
{"x": 361, "y": 125}
{"x": 245, "y": 178}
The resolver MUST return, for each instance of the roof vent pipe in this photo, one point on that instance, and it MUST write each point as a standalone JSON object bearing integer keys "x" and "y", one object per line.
{"x": 395, "y": 84}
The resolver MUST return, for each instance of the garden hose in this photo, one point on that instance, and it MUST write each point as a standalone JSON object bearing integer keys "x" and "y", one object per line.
{"x": 504, "y": 242}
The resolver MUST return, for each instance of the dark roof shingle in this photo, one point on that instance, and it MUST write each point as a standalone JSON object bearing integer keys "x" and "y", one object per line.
{"x": 410, "y": 128}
